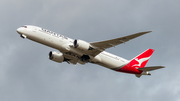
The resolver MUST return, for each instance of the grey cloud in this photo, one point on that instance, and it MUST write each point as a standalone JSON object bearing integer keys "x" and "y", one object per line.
{"x": 26, "y": 73}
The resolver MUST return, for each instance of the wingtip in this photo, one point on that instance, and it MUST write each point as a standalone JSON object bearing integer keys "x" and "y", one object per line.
{"x": 162, "y": 66}
{"x": 148, "y": 31}
{"x": 144, "y": 32}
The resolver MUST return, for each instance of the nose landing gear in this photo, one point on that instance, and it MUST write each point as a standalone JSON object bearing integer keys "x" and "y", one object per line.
{"x": 23, "y": 36}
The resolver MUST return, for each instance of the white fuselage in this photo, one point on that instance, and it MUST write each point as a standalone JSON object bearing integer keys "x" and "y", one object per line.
{"x": 63, "y": 44}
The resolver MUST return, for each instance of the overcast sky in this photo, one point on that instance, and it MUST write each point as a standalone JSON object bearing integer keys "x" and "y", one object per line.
{"x": 26, "y": 73}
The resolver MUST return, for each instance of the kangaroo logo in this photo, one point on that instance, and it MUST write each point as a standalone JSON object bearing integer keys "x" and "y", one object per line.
{"x": 140, "y": 61}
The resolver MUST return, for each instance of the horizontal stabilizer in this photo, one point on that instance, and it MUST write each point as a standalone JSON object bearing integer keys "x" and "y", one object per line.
{"x": 151, "y": 68}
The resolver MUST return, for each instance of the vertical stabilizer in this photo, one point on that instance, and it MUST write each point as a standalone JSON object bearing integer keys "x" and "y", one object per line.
{"x": 137, "y": 62}
{"x": 141, "y": 60}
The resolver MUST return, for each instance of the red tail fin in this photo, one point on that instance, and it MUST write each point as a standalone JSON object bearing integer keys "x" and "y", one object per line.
{"x": 137, "y": 62}
{"x": 142, "y": 59}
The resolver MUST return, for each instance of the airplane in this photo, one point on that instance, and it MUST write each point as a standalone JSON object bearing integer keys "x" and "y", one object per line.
{"x": 75, "y": 51}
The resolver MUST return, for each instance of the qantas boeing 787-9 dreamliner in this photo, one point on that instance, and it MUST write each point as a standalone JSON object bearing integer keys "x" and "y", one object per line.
{"x": 79, "y": 51}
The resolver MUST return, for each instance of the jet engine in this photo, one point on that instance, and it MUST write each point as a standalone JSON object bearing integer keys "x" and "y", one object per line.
{"x": 56, "y": 56}
{"x": 82, "y": 45}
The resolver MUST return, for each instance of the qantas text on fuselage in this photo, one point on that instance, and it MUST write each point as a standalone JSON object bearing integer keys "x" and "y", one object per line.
{"x": 79, "y": 51}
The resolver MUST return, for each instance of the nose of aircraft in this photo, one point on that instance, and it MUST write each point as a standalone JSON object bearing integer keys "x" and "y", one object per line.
{"x": 19, "y": 30}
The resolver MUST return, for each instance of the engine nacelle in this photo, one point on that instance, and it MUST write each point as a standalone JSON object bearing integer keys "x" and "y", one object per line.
{"x": 82, "y": 45}
{"x": 56, "y": 56}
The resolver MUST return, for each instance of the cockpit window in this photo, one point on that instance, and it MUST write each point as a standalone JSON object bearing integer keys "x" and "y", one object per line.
{"x": 24, "y": 26}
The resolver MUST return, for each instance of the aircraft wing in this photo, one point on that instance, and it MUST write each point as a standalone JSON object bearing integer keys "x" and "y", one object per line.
{"x": 102, "y": 45}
